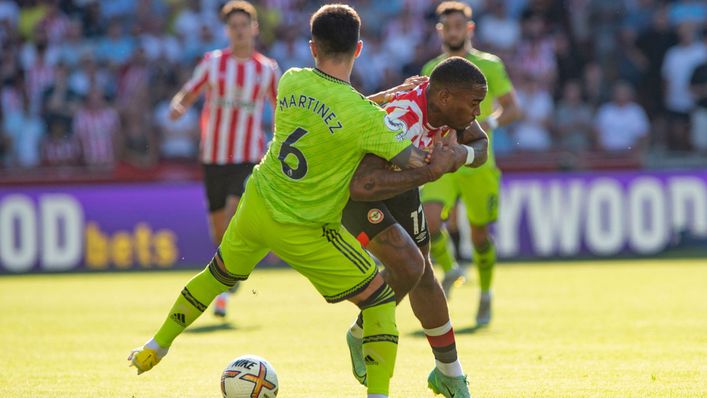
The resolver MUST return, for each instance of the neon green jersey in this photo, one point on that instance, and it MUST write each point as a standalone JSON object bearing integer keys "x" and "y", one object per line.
{"x": 497, "y": 82}
{"x": 323, "y": 128}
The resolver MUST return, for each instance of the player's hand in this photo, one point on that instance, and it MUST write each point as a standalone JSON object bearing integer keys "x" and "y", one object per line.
{"x": 412, "y": 82}
{"x": 409, "y": 83}
{"x": 450, "y": 138}
{"x": 442, "y": 160}
{"x": 437, "y": 137}
{"x": 176, "y": 110}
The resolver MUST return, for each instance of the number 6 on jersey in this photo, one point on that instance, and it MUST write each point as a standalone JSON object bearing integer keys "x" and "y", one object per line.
{"x": 287, "y": 149}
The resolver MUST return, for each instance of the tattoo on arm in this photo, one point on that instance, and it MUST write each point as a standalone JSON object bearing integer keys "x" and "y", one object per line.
{"x": 375, "y": 180}
{"x": 410, "y": 158}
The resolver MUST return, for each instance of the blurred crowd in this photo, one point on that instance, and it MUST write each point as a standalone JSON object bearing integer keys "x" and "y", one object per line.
{"x": 88, "y": 83}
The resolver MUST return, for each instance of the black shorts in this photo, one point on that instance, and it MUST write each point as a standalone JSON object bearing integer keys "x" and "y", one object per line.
{"x": 365, "y": 220}
{"x": 224, "y": 180}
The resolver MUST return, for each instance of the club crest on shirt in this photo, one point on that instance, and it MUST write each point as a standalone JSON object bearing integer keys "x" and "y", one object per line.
{"x": 396, "y": 125}
{"x": 375, "y": 216}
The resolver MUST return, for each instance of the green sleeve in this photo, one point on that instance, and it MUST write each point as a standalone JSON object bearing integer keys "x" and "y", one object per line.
{"x": 382, "y": 136}
{"x": 427, "y": 69}
{"x": 498, "y": 82}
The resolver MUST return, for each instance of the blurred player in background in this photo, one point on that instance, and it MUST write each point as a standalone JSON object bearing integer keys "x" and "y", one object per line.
{"x": 237, "y": 81}
{"x": 477, "y": 188}
{"x": 294, "y": 200}
{"x": 393, "y": 227}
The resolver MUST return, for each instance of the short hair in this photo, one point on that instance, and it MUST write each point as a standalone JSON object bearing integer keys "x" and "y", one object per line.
{"x": 335, "y": 29}
{"x": 236, "y": 6}
{"x": 456, "y": 72}
{"x": 450, "y": 7}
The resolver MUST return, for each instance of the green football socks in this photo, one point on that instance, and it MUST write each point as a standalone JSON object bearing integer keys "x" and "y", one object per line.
{"x": 380, "y": 346}
{"x": 440, "y": 250}
{"x": 380, "y": 338}
{"x": 191, "y": 303}
{"x": 485, "y": 259}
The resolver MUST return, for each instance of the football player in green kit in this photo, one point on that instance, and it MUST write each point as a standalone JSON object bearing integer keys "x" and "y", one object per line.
{"x": 294, "y": 200}
{"x": 478, "y": 188}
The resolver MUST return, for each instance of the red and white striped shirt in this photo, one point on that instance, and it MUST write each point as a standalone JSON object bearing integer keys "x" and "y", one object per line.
{"x": 96, "y": 130}
{"x": 409, "y": 109}
{"x": 39, "y": 77}
{"x": 61, "y": 152}
{"x": 231, "y": 120}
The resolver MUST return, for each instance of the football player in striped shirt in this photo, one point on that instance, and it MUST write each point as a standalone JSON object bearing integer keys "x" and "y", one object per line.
{"x": 237, "y": 81}
{"x": 393, "y": 227}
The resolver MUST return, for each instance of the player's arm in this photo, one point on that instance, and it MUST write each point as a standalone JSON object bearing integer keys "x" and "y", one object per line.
{"x": 181, "y": 102}
{"x": 272, "y": 85}
{"x": 376, "y": 180}
{"x": 476, "y": 138}
{"x": 508, "y": 112}
{"x": 509, "y": 109}
{"x": 190, "y": 91}
{"x": 387, "y": 95}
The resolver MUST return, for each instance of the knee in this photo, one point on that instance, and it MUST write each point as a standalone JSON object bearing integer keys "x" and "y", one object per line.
{"x": 480, "y": 236}
{"x": 427, "y": 279}
{"x": 411, "y": 269}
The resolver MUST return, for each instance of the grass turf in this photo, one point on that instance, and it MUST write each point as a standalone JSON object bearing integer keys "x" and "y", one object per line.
{"x": 584, "y": 329}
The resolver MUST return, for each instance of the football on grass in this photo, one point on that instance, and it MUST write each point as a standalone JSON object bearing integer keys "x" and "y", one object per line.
{"x": 249, "y": 376}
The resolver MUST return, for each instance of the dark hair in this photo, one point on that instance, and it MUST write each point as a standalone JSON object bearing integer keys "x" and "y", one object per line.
{"x": 456, "y": 72}
{"x": 450, "y": 7}
{"x": 335, "y": 30}
{"x": 236, "y": 6}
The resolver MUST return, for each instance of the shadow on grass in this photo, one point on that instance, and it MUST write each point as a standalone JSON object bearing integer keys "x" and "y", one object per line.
{"x": 212, "y": 328}
{"x": 466, "y": 330}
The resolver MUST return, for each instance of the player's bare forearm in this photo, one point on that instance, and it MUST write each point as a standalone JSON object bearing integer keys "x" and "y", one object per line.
{"x": 410, "y": 158}
{"x": 375, "y": 180}
{"x": 476, "y": 138}
{"x": 510, "y": 109}
{"x": 181, "y": 102}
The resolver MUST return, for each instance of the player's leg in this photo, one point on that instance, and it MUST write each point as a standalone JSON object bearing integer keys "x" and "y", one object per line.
{"x": 377, "y": 230}
{"x": 485, "y": 260}
{"x": 216, "y": 186}
{"x": 453, "y": 228}
{"x": 340, "y": 269}
{"x": 232, "y": 181}
{"x": 240, "y": 250}
{"x": 481, "y": 204}
{"x": 438, "y": 197}
{"x": 430, "y": 307}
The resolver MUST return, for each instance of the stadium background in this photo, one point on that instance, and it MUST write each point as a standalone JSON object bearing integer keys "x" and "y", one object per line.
{"x": 609, "y": 160}
{"x": 576, "y": 321}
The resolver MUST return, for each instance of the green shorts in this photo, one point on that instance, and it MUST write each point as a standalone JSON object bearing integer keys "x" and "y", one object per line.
{"x": 329, "y": 256}
{"x": 478, "y": 189}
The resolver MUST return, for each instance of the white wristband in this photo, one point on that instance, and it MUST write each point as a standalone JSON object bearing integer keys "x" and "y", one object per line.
{"x": 469, "y": 154}
{"x": 492, "y": 122}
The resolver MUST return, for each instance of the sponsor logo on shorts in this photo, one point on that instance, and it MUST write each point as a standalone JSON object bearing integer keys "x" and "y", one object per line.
{"x": 419, "y": 238}
{"x": 375, "y": 216}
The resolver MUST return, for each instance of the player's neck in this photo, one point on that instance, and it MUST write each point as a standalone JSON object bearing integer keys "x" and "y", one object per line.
{"x": 461, "y": 52}
{"x": 242, "y": 52}
{"x": 339, "y": 70}
{"x": 434, "y": 115}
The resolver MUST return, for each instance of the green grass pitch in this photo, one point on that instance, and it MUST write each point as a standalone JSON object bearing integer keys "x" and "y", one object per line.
{"x": 581, "y": 329}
